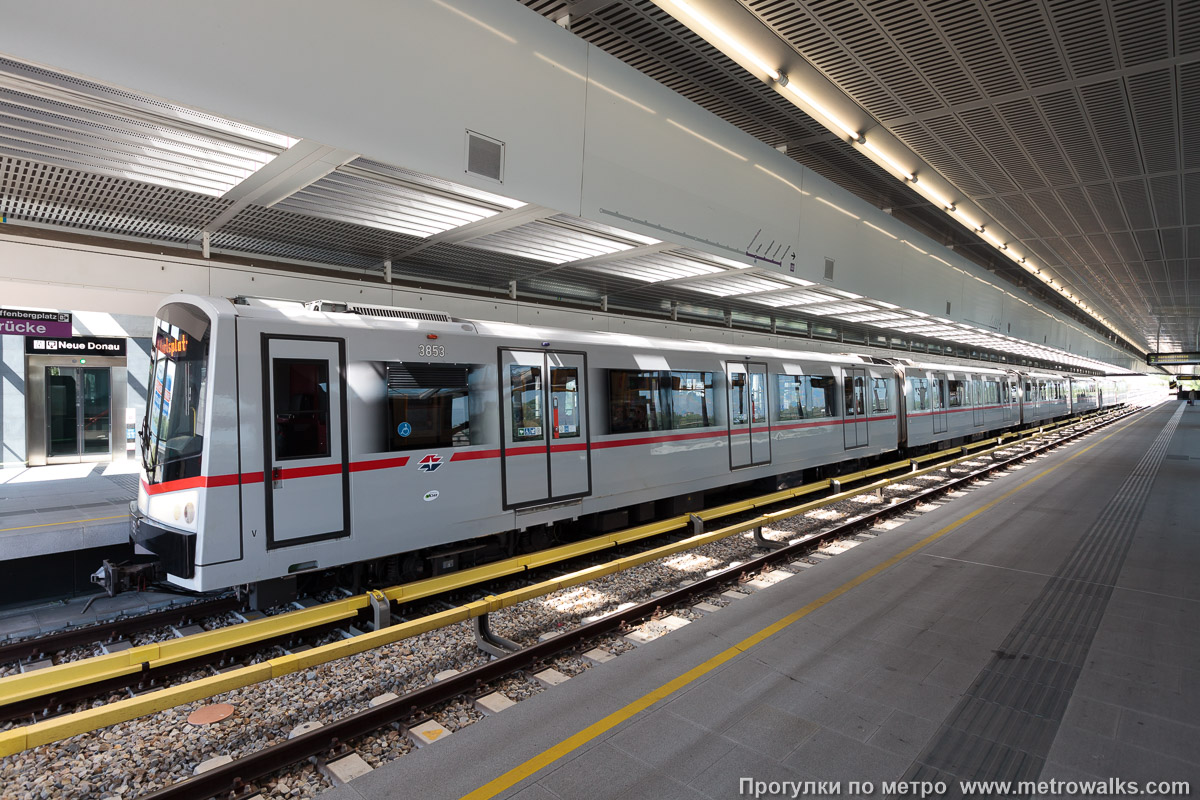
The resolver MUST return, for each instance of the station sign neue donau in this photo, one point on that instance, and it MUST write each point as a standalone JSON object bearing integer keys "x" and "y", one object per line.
{"x": 23, "y": 322}
{"x": 77, "y": 346}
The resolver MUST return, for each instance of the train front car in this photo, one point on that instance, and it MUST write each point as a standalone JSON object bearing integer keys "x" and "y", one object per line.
{"x": 177, "y": 434}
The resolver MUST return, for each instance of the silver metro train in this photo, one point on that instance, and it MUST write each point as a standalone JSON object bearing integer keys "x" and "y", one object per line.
{"x": 285, "y": 438}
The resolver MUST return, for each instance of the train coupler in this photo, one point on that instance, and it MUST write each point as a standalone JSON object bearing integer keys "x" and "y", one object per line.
{"x": 134, "y": 574}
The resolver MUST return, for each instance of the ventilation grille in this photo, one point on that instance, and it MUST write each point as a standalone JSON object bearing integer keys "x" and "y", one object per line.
{"x": 391, "y": 312}
{"x": 829, "y": 269}
{"x": 485, "y": 156}
{"x": 401, "y": 377}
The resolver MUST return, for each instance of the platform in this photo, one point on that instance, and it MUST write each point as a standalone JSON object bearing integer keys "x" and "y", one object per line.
{"x": 53, "y": 516}
{"x": 1044, "y": 626}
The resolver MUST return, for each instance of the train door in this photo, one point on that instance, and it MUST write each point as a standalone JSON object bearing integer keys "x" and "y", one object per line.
{"x": 749, "y": 429}
{"x": 940, "y": 403}
{"x": 1010, "y": 400}
{"x": 307, "y": 478}
{"x": 978, "y": 397}
{"x": 854, "y": 431}
{"x": 545, "y": 444}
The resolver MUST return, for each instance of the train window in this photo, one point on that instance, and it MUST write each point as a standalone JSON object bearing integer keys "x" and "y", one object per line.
{"x": 791, "y": 397}
{"x": 822, "y": 398}
{"x": 429, "y": 405}
{"x": 635, "y": 401}
{"x": 879, "y": 394}
{"x": 174, "y": 422}
{"x": 301, "y": 408}
{"x": 739, "y": 402}
{"x": 939, "y": 392}
{"x": 958, "y": 393}
{"x": 691, "y": 399}
{"x": 526, "y": 384}
{"x": 806, "y": 397}
{"x": 758, "y": 397}
{"x": 992, "y": 392}
{"x": 918, "y": 390}
{"x": 856, "y": 396}
{"x": 653, "y": 401}
{"x": 564, "y": 402}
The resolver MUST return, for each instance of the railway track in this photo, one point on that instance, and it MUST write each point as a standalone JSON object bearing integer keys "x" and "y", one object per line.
{"x": 448, "y": 615}
{"x": 36, "y": 648}
{"x": 330, "y": 743}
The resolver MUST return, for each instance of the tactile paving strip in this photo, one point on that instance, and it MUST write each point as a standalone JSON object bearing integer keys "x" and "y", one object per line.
{"x": 1003, "y": 727}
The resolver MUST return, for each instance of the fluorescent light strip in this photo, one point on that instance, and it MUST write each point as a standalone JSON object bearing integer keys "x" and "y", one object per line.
{"x": 888, "y": 160}
{"x": 812, "y": 104}
{"x": 932, "y": 195}
{"x": 717, "y": 31}
{"x": 820, "y": 109}
{"x": 914, "y": 247}
{"x": 707, "y": 140}
{"x": 963, "y": 215}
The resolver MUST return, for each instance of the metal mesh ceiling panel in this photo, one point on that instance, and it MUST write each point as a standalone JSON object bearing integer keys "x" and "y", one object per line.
{"x": 398, "y": 206}
{"x": 62, "y": 120}
{"x": 656, "y": 267}
{"x": 54, "y": 195}
{"x": 728, "y": 285}
{"x": 803, "y": 297}
{"x": 1065, "y": 121}
{"x": 286, "y": 235}
{"x": 556, "y": 240}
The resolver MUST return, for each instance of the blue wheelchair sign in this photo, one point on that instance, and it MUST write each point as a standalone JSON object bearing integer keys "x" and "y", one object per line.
{"x": 404, "y": 429}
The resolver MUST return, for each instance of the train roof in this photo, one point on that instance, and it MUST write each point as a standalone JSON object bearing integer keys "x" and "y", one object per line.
{"x": 377, "y": 317}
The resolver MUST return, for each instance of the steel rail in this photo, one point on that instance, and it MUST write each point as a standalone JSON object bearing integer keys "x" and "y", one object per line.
{"x": 236, "y": 775}
{"x": 112, "y": 629}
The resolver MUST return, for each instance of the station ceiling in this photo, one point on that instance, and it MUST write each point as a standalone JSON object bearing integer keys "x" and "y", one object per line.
{"x": 1075, "y": 126}
{"x": 1068, "y": 127}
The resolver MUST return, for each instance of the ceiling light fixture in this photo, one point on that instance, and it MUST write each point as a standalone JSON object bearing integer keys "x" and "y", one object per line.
{"x": 889, "y": 161}
{"x": 963, "y": 215}
{"x": 922, "y": 188}
{"x": 783, "y": 81}
{"x": 994, "y": 240}
{"x": 717, "y": 31}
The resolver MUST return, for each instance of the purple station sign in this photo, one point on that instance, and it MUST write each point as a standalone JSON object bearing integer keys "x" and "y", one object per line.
{"x": 22, "y": 322}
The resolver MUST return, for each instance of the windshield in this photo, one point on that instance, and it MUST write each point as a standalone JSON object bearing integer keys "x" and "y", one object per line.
{"x": 174, "y": 425}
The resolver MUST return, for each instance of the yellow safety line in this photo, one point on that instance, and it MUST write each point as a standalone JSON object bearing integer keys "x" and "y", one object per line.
{"x": 71, "y": 522}
{"x": 574, "y": 742}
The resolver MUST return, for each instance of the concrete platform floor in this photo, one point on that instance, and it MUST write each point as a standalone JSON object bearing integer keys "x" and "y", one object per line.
{"x": 1044, "y": 626}
{"x": 63, "y": 507}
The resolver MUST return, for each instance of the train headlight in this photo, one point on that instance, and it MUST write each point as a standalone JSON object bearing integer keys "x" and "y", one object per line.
{"x": 176, "y": 509}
